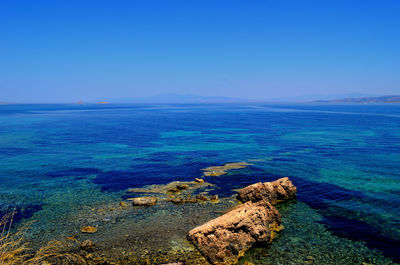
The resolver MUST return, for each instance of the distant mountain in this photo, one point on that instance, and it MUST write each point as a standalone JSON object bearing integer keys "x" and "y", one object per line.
{"x": 381, "y": 99}
{"x": 195, "y": 99}
{"x": 176, "y": 98}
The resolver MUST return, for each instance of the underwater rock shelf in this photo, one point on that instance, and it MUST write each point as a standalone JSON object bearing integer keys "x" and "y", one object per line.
{"x": 216, "y": 171}
{"x": 177, "y": 192}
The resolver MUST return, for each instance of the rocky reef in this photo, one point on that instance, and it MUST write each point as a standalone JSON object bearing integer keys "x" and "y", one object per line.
{"x": 172, "y": 188}
{"x": 225, "y": 239}
{"x": 177, "y": 192}
{"x": 216, "y": 171}
{"x": 143, "y": 201}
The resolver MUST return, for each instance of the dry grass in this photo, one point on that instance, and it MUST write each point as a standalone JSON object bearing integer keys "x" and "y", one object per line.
{"x": 55, "y": 252}
{"x": 13, "y": 250}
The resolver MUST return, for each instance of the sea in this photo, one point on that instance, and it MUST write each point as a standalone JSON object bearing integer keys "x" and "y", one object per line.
{"x": 64, "y": 166}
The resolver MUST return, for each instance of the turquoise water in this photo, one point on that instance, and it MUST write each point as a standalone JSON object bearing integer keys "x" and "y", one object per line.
{"x": 58, "y": 162}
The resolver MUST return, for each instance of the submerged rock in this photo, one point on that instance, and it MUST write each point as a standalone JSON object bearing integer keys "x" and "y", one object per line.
{"x": 198, "y": 180}
{"x": 224, "y": 239}
{"x": 182, "y": 186}
{"x": 189, "y": 199}
{"x": 89, "y": 229}
{"x": 143, "y": 201}
{"x": 216, "y": 171}
{"x": 171, "y": 187}
{"x": 184, "y": 200}
{"x": 202, "y": 197}
{"x": 278, "y": 190}
{"x": 174, "y": 189}
{"x": 214, "y": 198}
{"x": 177, "y": 200}
{"x": 123, "y": 204}
{"x": 87, "y": 245}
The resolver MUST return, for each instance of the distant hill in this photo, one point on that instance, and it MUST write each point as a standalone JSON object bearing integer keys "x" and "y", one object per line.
{"x": 381, "y": 99}
{"x": 175, "y": 98}
{"x": 179, "y": 98}
{"x": 320, "y": 97}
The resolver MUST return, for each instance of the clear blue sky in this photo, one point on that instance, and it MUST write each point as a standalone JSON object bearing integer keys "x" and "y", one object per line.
{"x": 54, "y": 51}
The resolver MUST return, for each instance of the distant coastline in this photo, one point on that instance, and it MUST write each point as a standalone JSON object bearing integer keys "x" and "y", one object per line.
{"x": 193, "y": 99}
{"x": 382, "y": 99}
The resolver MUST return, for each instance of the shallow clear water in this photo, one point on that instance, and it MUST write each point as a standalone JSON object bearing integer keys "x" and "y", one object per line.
{"x": 57, "y": 162}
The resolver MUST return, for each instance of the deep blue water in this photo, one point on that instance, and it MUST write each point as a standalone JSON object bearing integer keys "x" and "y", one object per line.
{"x": 344, "y": 159}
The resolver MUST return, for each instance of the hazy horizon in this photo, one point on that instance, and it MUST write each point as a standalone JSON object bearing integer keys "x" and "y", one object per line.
{"x": 53, "y": 51}
{"x": 191, "y": 98}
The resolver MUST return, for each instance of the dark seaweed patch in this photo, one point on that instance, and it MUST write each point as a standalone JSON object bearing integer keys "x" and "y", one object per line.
{"x": 357, "y": 230}
{"x": 21, "y": 211}
{"x": 320, "y": 196}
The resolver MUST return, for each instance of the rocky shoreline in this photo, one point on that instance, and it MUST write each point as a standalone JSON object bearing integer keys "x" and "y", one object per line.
{"x": 222, "y": 240}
